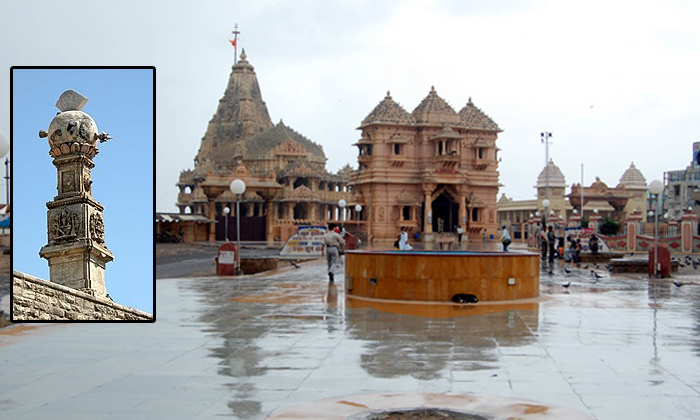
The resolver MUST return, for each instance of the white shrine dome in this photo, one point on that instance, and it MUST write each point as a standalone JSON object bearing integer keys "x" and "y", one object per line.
{"x": 555, "y": 175}
{"x": 633, "y": 179}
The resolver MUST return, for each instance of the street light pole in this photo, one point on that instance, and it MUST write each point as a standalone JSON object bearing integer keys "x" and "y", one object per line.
{"x": 656, "y": 187}
{"x": 238, "y": 188}
{"x": 358, "y": 209}
{"x": 546, "y": 204}
{"x": 341, "y": 204}
{"x": 545, "y": 136}
{"x": 226, "y": 212}
{"x": 4, "y": 149}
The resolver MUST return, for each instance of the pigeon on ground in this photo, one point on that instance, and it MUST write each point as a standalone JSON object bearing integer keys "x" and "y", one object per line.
{"x": 596, "y": 275}
{"x": 566, "y": 285}
{"x": 295, "y": 265}
{"x": 567, "y": 271}
{"x": 678, "y": 284}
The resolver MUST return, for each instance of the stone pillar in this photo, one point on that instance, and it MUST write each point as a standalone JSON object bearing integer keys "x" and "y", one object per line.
{"x": 633, "y": 221}
{"x": 689, "y": 223}
{"x": 462, "y": 211}
{"x": 428, "y": 219}
{"x": 211, "y": 215}
{"x": 269, "y": 220}
{"x": 594, "y": 221}
{"x": 574, "y": 221}
{"x": 76, "y": 249}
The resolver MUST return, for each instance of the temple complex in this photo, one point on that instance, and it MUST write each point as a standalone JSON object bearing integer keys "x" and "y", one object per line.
{"x": 284, "y": 172}
{"x": 599, "y": 201}
{"x": 430, "y": 170}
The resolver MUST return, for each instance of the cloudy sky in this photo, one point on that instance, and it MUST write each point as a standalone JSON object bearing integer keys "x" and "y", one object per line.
{"x": 615, "y": 81}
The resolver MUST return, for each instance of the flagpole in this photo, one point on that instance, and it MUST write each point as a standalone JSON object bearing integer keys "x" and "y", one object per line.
{"x": 235, "y": 33}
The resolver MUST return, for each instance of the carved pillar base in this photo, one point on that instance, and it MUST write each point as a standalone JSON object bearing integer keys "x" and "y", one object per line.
{"x": 80, "y": 265}
{"x": 76, "y": 251}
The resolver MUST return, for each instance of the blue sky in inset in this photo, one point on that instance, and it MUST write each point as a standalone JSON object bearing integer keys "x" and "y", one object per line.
{"x": 121, "y": 103}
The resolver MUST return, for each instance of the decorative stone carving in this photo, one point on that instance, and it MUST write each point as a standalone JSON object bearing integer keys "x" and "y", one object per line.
{"x": 87, "y": 183}
{"x": 67, "y": 181}
{"x": 290, "y": 147}
{"x": 63, "y": 226}
{"x": 97, "y": 228}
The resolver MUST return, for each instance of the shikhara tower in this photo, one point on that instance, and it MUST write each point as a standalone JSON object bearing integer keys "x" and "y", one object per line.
{"x": 76, "y": 251}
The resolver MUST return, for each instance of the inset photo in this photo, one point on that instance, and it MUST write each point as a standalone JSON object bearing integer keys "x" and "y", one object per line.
{"x": 82, "y": 175}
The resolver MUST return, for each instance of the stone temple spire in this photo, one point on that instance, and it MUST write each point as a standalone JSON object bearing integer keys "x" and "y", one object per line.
{"x": 241, "y": 114}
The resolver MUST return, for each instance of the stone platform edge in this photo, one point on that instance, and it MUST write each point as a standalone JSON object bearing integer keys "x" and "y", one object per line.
{"x": 35, "y": 299}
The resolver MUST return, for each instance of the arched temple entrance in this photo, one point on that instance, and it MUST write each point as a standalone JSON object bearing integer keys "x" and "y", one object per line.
{"x": 445, "y": 213}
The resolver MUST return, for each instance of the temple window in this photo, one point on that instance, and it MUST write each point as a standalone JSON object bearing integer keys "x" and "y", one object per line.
{"x": 406, "y": 213}
{"x": 397, "y": 149}
{"x": 475, "y": 215}
{"x": 302, "y": 181}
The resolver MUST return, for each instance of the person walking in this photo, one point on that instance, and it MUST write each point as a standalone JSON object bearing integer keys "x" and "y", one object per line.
{"x": 505, "y": 238}
{"x": 542, "y": 238}
{"x": 403, "y": 240}
{"x": 334, "y": 244}
{"x": 552, "y": 242}
{"x": 460, "y": 232}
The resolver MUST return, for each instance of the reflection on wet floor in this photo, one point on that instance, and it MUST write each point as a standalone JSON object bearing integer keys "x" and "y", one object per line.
{"x": 574, "y": 346}
{"x": 619, "y": 347}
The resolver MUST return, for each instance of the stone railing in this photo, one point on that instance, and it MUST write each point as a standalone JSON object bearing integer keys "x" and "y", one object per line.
{"x": 36, "y": 299}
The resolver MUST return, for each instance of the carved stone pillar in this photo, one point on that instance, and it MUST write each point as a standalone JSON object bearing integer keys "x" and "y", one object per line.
{"x": 76, "y": 251}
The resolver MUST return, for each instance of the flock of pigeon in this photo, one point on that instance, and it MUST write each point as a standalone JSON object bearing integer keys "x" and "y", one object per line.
{"x": 685, "y": 262}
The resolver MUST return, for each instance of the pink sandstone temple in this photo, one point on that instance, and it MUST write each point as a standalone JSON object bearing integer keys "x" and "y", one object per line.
{"x": 431, "y": 170}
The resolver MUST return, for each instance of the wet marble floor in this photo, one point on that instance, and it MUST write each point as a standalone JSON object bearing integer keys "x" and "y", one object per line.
{"x": 616, "y": 348}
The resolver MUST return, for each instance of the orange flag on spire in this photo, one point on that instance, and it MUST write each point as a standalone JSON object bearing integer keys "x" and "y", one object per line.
{"x": 233, "y": 43}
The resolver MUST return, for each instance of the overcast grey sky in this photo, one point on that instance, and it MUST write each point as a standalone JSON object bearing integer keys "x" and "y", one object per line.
{"x": 616, "y": 81}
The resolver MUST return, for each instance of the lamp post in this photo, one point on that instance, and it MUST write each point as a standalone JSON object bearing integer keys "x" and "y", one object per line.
{"x": 341, "y": 204}
{"x": 656, "y": 187}
{"x": 226, "y": 212}
{"x": 545, "y": 136}
{"x": 546, "y": 204}
{"x": 238, "y": 188}
{"x": 358, "y": 209}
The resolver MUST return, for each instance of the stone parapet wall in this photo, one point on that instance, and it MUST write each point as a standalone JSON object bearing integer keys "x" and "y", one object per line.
{"x": 36, "y": 299}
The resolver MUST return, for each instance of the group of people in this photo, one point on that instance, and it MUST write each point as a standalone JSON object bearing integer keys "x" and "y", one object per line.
{"x": 574, "y": 249}
{"x": 335, "y": 246}
{"x": 334, "y": 243}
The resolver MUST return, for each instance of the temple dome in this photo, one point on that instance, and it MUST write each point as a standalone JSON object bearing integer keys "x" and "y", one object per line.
{"x": 633, "y": 179}
{"x": 434, "y": 110}
{"x": 388, "y": 111}
{"x": 556, "y": 177}
{"x": 473, "y": 118}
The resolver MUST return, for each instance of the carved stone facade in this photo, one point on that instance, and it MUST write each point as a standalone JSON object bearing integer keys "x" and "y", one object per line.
{"x": 76, "y": 249}
{"x": 284, "y": 172}
{"x": 430, "y": 170}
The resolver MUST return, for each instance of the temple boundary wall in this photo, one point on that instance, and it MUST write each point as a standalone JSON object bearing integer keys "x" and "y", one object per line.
{"x": 37, "y": 299}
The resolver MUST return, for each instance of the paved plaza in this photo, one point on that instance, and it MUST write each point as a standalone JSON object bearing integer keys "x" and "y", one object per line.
{"x": 617, "y": 348}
